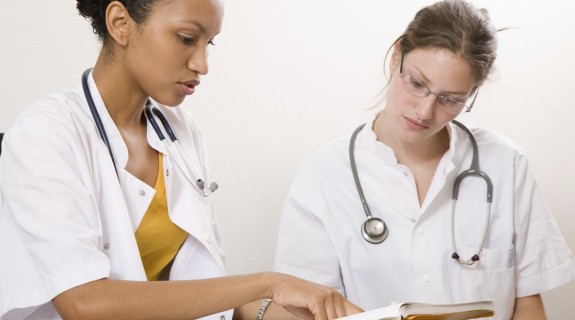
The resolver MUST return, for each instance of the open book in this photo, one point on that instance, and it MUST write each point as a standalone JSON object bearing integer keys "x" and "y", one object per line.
{"x": 423, "y": 311}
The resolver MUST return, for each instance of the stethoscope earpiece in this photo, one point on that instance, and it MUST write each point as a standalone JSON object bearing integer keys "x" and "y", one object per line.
{"x": 374, "y": 230}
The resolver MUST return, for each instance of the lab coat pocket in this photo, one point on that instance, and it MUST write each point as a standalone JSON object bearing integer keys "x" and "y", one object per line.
{"x": 491, "y": 278}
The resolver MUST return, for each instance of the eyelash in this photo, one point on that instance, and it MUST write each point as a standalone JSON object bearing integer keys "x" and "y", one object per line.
{"x": 418, "y": 84}
{"x": 188, "y": 40}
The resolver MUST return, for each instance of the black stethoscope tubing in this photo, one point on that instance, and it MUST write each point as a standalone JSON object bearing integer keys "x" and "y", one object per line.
{"x": 96, "y": 116}
{"x": 375, "y": 231}
{"x": 182, "y": 162}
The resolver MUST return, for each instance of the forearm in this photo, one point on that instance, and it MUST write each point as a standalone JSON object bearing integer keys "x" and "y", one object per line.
{"x": 529, "y": 308}
{"x": 114, "y": 299}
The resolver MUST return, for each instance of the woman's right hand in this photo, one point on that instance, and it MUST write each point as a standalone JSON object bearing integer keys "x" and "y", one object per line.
{"x": 309, "y": 300}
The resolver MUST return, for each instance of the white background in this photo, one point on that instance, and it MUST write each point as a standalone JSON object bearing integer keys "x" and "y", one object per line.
{"x": 288, "y": 75}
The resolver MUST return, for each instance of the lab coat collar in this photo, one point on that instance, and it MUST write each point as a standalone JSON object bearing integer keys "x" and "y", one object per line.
{"x": 367, "y": 138}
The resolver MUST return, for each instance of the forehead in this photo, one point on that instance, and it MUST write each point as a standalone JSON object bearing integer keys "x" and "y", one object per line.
{"x": 440, "y": 66}
{"x": 206, "y": 13}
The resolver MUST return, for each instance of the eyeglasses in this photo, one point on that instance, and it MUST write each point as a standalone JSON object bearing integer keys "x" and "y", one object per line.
{"x": 447, "y": 104}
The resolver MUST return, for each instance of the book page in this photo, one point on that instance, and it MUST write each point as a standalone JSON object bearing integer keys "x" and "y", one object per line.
{"x": 475, "y": 314}
{"x": 386, "y": 313}
{"x": 422, "y": 311}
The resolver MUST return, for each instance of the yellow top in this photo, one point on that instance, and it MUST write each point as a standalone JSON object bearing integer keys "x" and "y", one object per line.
{"x": 158, "y": 238}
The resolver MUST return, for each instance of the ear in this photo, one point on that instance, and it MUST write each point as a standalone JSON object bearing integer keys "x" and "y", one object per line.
{"x": 117, "y": 22}
{"x": 395, "y": 57}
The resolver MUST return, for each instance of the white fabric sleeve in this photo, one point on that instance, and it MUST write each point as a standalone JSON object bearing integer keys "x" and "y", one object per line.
{"x": 49, "y": 223}
{"x": 543, "y": 259}
{"x": 304, "y": 247}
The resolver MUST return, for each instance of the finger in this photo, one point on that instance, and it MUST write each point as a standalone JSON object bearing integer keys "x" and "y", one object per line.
{"x": 330, "y": 306}
{"x": 350, "y": 308}
{"x": 340, "y": 308}
{"x": 317, "y": 307}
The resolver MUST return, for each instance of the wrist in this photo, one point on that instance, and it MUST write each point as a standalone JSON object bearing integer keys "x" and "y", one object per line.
{"x": 268, "y": 283}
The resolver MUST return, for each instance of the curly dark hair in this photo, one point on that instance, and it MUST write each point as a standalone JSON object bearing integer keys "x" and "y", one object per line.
{"x": 95, "y": 12}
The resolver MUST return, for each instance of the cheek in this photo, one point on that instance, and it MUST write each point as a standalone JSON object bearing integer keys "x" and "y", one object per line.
{"x": 397, "y": 99}
{"x": 444, "y": 117}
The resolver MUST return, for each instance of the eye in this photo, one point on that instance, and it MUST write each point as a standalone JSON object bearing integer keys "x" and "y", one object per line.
{"x": 415, "y": 83}
{"x": 185, "y": 39}
{"x": 450, "y": 102}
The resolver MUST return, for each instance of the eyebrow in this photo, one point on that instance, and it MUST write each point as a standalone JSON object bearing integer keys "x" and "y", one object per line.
{"x": 195, "y": 23}
{"x": 443, "y": 93}
{"x": 199, "y": 26}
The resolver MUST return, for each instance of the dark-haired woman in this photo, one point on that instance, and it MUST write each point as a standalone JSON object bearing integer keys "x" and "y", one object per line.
{"x": 418, "y": 244}
{"x": 95, "y": 207}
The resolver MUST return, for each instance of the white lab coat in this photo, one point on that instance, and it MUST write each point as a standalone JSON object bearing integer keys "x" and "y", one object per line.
{"x": 320, "y": 239}
{"x": 65, "y": 220}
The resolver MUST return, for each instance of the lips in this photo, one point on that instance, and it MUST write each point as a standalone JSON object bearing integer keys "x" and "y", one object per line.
{"x": 415, "y": 125}
{"x": 189, "y": 87}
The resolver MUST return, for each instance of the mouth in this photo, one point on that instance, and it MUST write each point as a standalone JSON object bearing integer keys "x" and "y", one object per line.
{"x": 415, "y": 124}
{"x": 189, "y": 87}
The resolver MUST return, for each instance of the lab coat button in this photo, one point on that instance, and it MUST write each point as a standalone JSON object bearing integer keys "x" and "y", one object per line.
{"x": 425, "y": 278}
{"x": 222, "y": 317}
{"x": 106, "y": 246}
{"x": 420, "y": 230}
{"x": 142, "y": 193}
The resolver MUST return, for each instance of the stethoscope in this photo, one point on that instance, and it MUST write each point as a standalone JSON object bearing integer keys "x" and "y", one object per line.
{"x": 173, "y": 148}
{"x": 374, "y": 230}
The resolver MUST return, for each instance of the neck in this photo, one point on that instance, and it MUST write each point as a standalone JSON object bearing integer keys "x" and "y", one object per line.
{"x": 407, "y": 152}
{"x": 123, "y": 98}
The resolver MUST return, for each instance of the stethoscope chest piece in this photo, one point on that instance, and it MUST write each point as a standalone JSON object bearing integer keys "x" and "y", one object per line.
{"x": 374, "y": 230}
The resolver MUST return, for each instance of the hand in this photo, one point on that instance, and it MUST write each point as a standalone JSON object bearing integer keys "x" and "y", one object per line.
{"x": 310, "y": 300}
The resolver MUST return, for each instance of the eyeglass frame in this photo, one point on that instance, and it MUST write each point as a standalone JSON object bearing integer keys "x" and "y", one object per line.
{"x": 439, "y": 96}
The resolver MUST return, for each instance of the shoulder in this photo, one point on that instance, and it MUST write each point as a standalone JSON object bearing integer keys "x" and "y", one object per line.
{"x": 53, "y": 107}
{"x": 493, "y": 142}
{"x": 328, "y": 157}
{"x": 60, "y": 114}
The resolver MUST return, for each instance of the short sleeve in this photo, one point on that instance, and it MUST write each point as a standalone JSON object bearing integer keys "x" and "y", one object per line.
{"x": 543, "y": 259}
{"x": 304, "y": 247}
{"x": 49, "y": 225}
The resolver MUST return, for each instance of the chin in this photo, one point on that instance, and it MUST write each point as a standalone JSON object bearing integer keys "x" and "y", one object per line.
{"x": 172, "y": 102}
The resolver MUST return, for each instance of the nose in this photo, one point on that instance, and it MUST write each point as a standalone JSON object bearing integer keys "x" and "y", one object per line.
{"x": 199, "y": 61}
{"x": 426, "y": 107}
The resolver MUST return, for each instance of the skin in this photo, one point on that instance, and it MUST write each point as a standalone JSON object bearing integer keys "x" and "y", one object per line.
{"x": 529, "y": 308}
{"x": 173, "y": 46}
{"x": 415, "y": 128}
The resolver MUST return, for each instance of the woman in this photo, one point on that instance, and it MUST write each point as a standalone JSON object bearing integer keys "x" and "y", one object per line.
{"x": 95, "y": 207}
{"x": 407, "y": 158}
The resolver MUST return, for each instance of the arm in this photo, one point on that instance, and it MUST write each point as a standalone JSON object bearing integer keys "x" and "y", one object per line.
{"x": 115, "y": 299}
{"x": 529, "y": 308}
